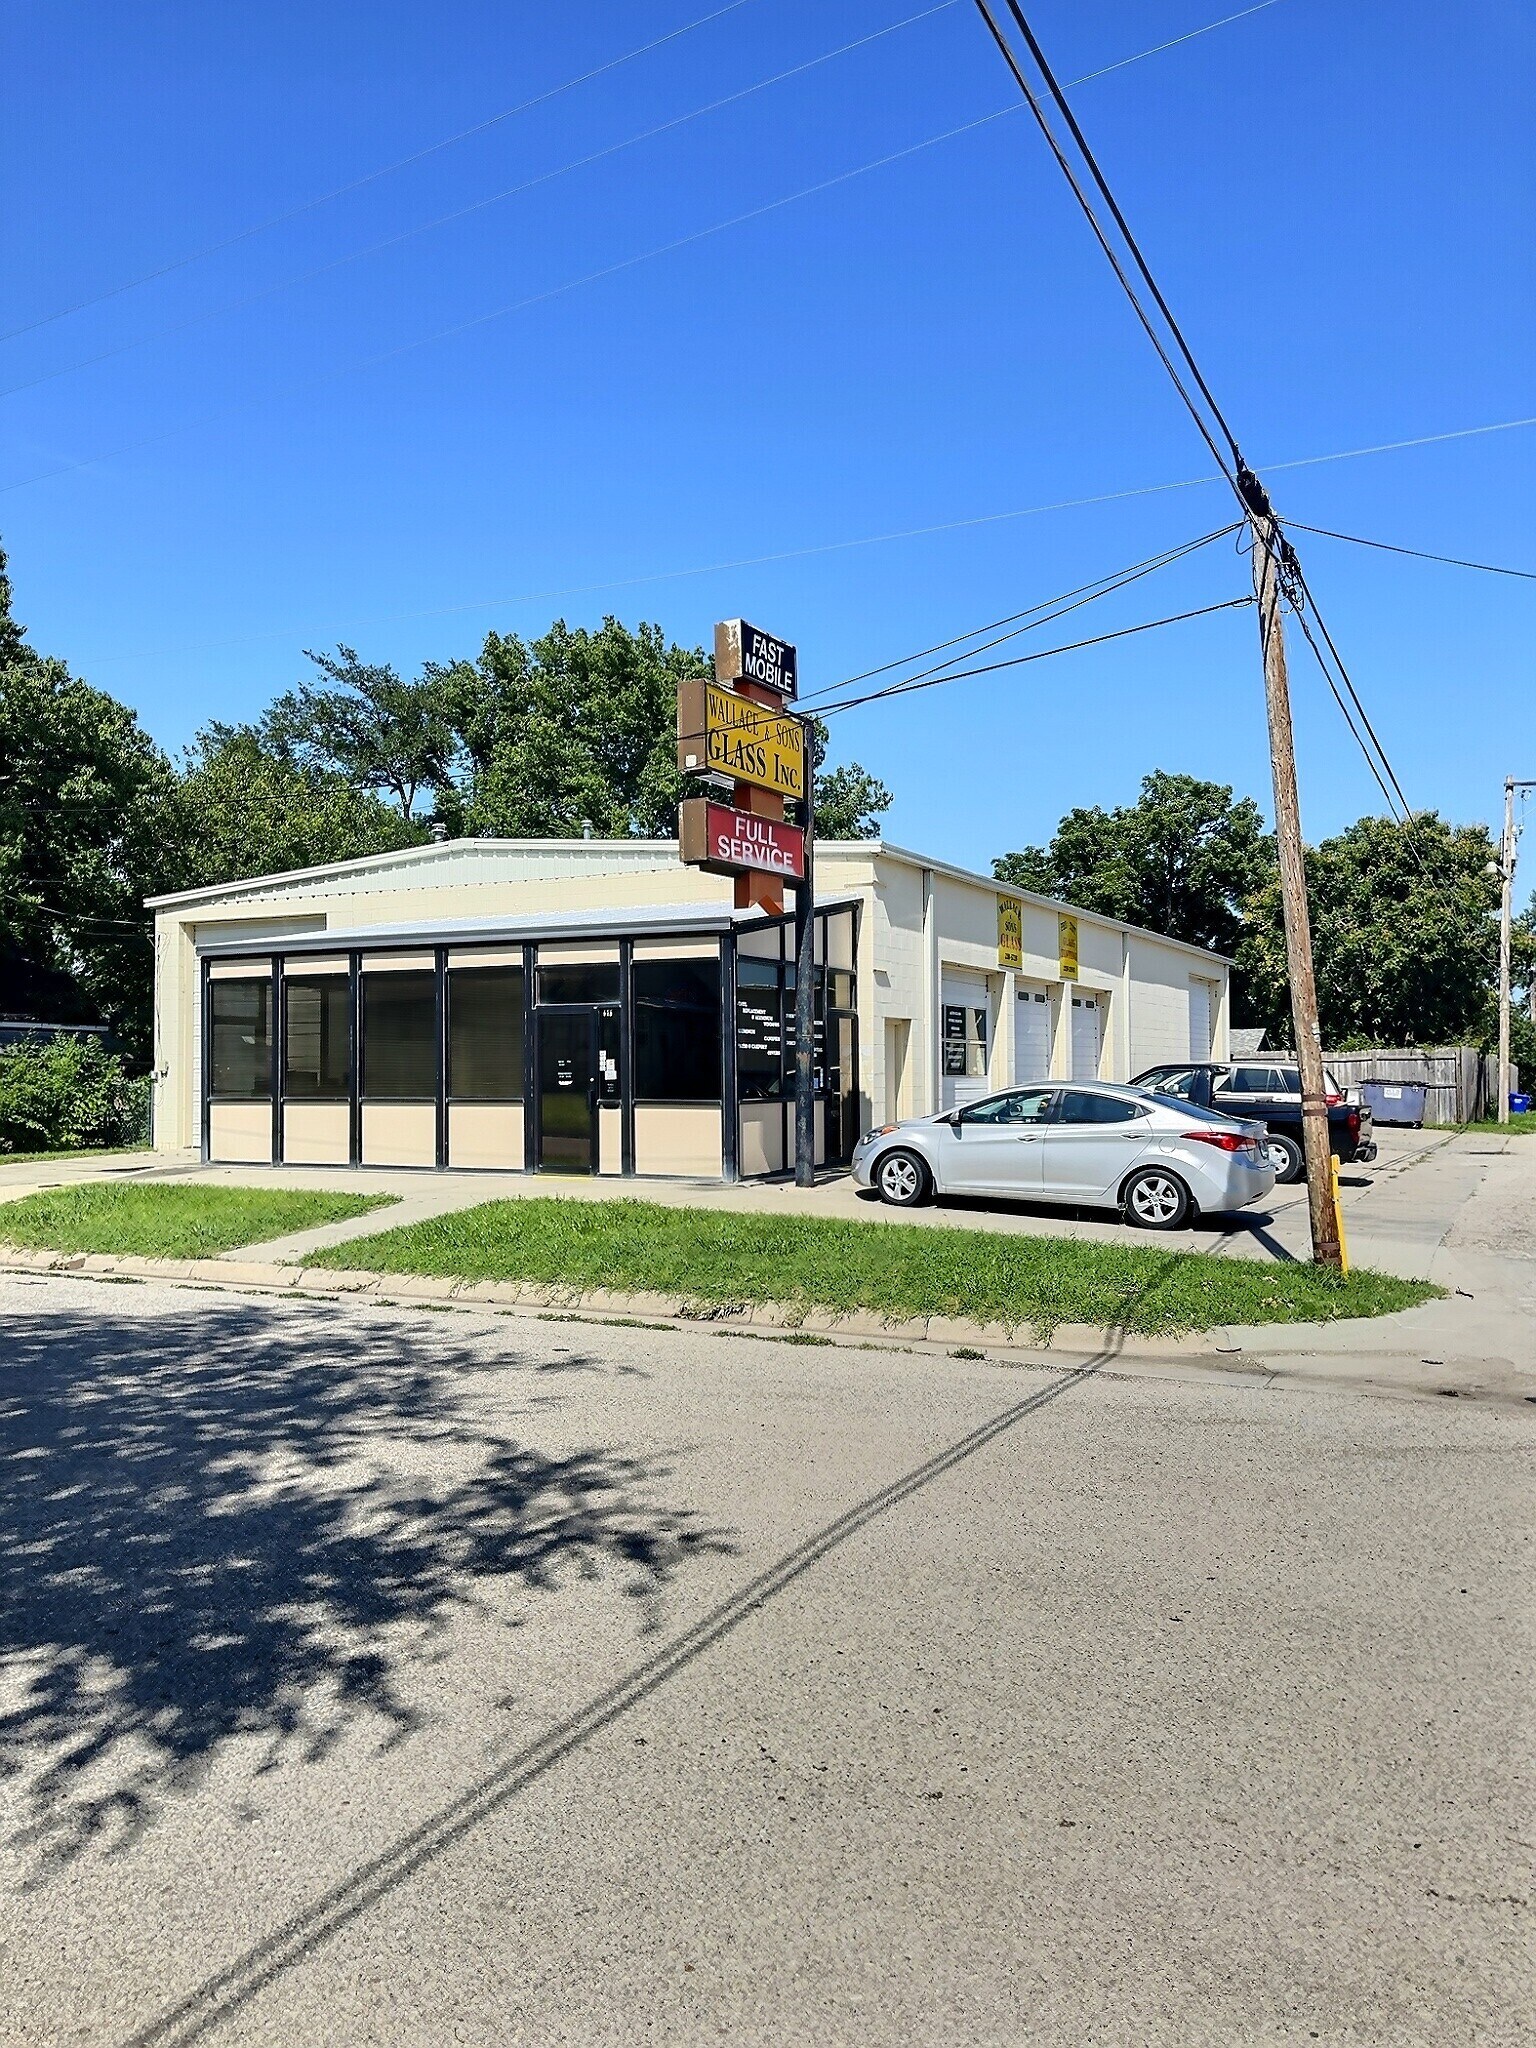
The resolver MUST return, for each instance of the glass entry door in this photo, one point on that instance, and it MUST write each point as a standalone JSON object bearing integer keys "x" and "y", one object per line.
{"x": 567, "y": 1090}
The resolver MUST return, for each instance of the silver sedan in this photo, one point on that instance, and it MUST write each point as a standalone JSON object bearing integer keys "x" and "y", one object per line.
{"x": 1084, "y": 1143}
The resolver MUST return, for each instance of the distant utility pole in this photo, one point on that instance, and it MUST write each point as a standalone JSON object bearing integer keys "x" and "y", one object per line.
{"x": 1327, "y": 1249}
{"x": 1506, "y": 919}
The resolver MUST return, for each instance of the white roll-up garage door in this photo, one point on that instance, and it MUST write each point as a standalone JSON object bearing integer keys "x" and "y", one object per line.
{"x": 1086, "y": 1016}
{"x": 966, "y": 1037}
{"x": 1199, "y": 1020}
{"x": 1032, "y": 1034}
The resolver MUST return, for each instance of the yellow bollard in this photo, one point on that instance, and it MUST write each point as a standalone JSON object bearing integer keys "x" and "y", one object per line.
{"x": 1338, "y": 1212}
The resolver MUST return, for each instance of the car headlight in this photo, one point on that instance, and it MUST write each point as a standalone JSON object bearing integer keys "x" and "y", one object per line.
{"x": 884, "y": 1131}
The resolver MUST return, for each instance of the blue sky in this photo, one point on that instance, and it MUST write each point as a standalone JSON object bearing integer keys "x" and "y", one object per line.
{"x": 1337, "y": 201}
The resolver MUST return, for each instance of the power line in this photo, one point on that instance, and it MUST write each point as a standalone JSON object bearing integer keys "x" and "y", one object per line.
{"x": 1158, "y": 48}
{"x": 1070, "y": 600}
{"x": 475, "y": 206}
{"x": 1250, "y": 492}
{"x": 523, "y": 305}
{"x": 593, "y": 277}
{"x": 1043, "y": 654}
{"x": 830, "y": 547}
{"x": 1103, "y": 239}
{"x": 1419, "y": 554}
{"x": 277, "y": 220}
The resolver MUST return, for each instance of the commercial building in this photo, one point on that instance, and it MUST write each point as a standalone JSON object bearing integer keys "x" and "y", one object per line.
{"x": 594, "y": 1006}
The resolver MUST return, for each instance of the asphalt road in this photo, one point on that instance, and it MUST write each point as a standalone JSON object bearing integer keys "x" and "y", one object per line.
{"x": 389, "y": 1677}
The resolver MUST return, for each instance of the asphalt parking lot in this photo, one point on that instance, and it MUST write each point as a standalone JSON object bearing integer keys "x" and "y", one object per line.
{"x": 379, "y": 1676}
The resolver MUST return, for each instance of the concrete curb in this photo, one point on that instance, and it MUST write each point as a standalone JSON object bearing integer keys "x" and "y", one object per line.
{"x": 1068, "y": 1339}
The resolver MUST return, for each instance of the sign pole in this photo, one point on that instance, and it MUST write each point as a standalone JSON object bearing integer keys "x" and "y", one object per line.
{"x": 805, "y": 989}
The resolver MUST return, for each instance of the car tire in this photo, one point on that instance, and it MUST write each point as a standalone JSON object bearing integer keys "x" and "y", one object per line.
{"x": 1286, "y": 1157}
{"x": 1156, "y": 1199}
{"x": 903, "y": 1180}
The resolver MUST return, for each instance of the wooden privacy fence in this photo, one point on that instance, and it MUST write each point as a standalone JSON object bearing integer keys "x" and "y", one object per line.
{"x": 1460, "y": 1083}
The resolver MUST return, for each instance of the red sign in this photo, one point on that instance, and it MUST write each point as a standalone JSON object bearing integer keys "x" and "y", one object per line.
{"x": 730, "y": 842}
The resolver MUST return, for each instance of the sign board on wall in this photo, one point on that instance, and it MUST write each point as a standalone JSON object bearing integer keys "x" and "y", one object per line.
{"x": 722, "y": 733}
{"x": 724, "y": 841}
{"x": 746, "y": 653}
{"x": 1066, "y": 946}
{"x": 1010, "y": 932}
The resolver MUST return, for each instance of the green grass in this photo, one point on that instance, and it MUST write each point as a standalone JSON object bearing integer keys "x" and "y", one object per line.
{"x": 177, "y": 1222}
{"x": 72, "y": 1152}
{"x": 1523, "y": 1125}
{"x": 713, "y": 1257}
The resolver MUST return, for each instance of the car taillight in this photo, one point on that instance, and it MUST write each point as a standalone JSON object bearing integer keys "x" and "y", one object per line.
{"x": 1333, "y": 1101}
{"x": 1225, "y": 1141}
{"x": 1353, "y": 1121}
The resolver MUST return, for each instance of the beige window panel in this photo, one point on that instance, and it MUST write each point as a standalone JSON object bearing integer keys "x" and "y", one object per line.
{"x": 485, "y": 1134}
{"x": 317, "y": 1133}
{"x": 240, "y": 1133}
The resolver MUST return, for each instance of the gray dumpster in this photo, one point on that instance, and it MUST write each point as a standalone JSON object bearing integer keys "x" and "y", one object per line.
{"x": 1394, "y": 1102}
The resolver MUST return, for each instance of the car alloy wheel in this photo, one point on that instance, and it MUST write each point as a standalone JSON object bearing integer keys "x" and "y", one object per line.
{"x": 1286, "y": 1157}
{"x": 901, "y": 1180}
{"x": 1157, "y": 1200}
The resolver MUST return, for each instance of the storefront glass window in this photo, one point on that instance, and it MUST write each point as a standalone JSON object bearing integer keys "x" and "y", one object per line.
{"x": 485, "y": 1033}
{"x": 242, "y": 1038}
{"x": 582, "y": 982}
{"x": 317, "y": 1041}
{"x": 400, "y": 1036}
{"x": 759, "y": 1030}
{"x": 677, "y": 1030}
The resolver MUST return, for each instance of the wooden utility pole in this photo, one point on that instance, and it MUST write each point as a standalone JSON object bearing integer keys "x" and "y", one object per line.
{"x": 1506, "y": 915}
{"x": 1326, "y": 1248}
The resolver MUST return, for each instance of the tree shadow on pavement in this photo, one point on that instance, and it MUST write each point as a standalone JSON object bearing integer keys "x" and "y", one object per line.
{"x": 249, "y": 1521}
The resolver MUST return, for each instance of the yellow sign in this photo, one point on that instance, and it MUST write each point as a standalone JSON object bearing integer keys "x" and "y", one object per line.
{"x": 1066, "y": 946}
{"x": 721, "y": 733}
{"x": 1010, "y": 932}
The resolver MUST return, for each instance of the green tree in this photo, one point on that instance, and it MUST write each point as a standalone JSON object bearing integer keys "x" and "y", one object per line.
{"x": 246, "y": 807}
{"x": 574, "y": 728}
{"x": 13, "y": 637}
{"x": 1183, "y": 859}
{"x": 850, "y": 802}
{"x": 84, "y": 799}
{"x": 579, "y": 728}
{"x": 1404, "y": 939}
{"x": 368, "y": 724}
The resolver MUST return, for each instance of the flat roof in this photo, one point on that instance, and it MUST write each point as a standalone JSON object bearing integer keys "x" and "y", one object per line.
{"x": 620, "y": 850}
{"x": 650, "y": 920}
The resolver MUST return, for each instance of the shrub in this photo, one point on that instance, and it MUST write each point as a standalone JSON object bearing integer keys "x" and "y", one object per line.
{"x": 69, "y": 1093}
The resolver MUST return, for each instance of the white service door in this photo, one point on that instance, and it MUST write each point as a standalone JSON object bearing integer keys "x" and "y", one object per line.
{"x": 965, "y": 1037}
{"x": 1032, "y": 1034}
{"x": 1086, "y": 1016}
{"x": 1199, "y": 1020}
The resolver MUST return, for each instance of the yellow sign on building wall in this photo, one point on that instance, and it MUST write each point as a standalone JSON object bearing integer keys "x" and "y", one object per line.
{"x": 1010, "y": 932}
{"x": 724, "y": 733}
{"x": 1066, "y": 946}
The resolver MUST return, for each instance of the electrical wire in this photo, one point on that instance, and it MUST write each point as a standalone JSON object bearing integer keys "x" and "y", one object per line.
{"x": 1103, "y": 239}
{"x": 1069, "y": 600}
{"x": 475, "y": 206}
{"x": 719, "y": 568}
{"x": 447, "y": 333}
{"x": 278, "y": 220}
{"x": 1419, "y": 554}
{"x": 1245, "y": 484}
{"x": 1042, "y": 654}
{"x": 478, "y": 320}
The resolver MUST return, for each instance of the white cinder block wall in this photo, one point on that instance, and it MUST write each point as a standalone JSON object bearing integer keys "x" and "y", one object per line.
{"x": 919, "y": 919}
